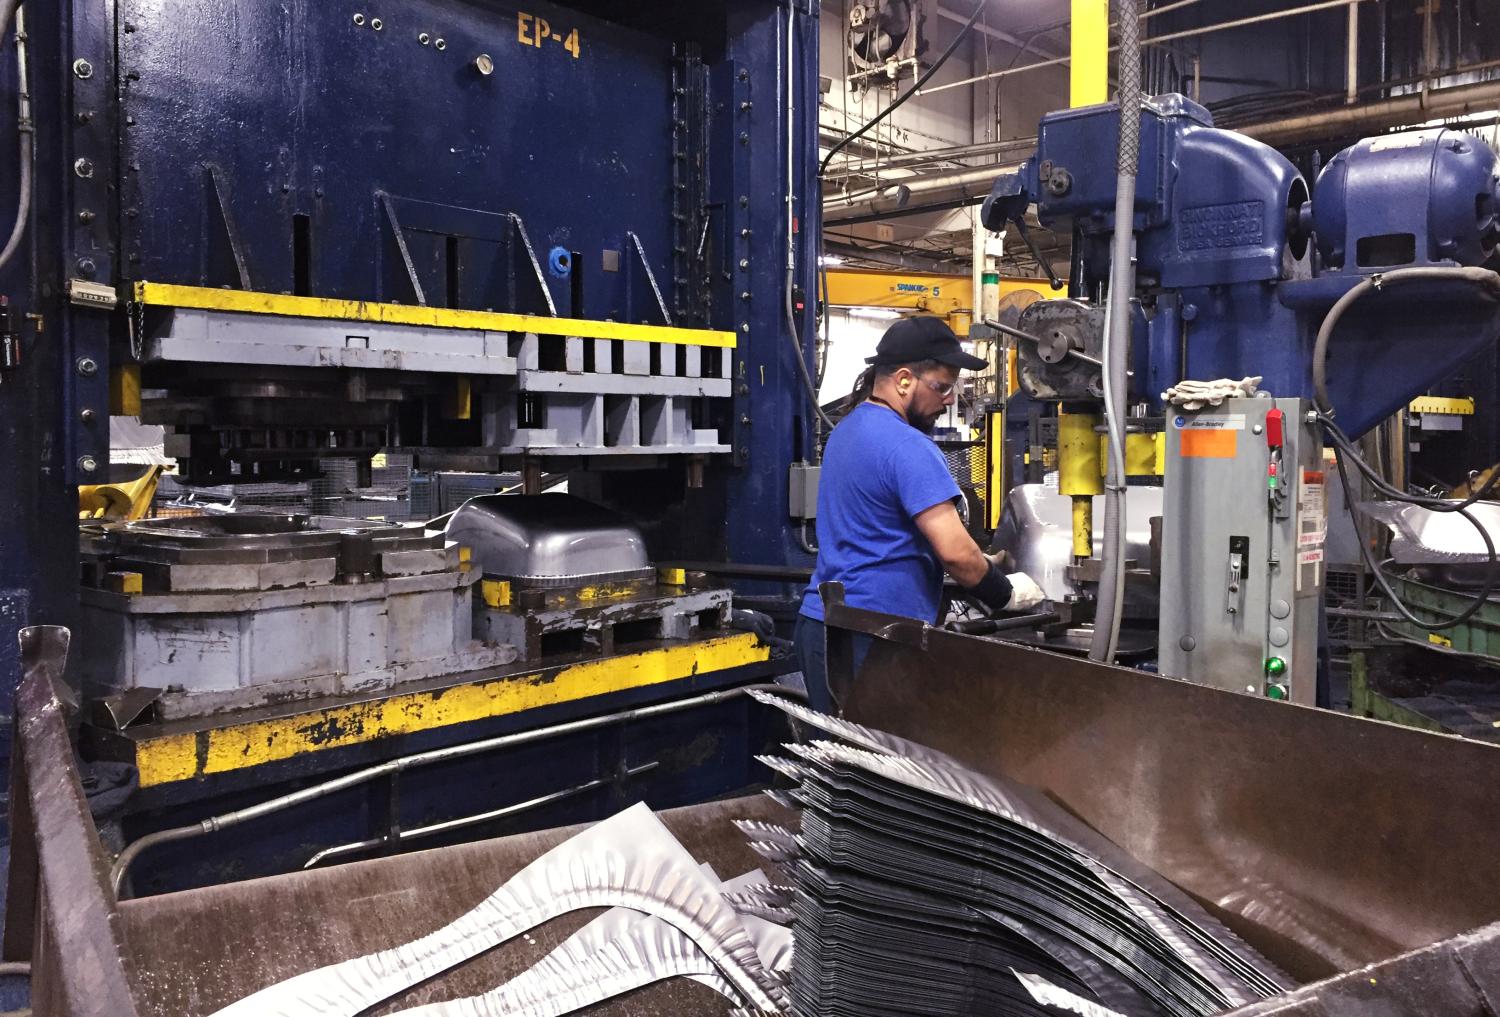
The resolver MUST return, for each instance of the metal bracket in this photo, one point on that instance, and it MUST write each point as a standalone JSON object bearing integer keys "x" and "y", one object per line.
{"x": 220, "y": 187}
{"x": 518, "y": 233}
{"x": 411, "y": 269}
{"x": 640, "y": 252}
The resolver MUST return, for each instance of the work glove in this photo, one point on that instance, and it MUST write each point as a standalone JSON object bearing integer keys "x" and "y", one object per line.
{"x": 1194, "y": 395}
{"x": 1024, "y": 592}
{"x": 998, "y": 592}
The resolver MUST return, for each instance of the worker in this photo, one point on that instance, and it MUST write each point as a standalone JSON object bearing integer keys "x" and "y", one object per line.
{"x": 888, "y": 526}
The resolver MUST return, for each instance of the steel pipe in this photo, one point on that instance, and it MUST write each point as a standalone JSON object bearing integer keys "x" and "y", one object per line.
{"x": 953, "y": 153}
{"x": 1024, "y": 45}
{"x": 1351, "y": 69}
{"x": 909, "y": 261}
{"x": 401, "y": 836}
{"x": 1153, "y": 41}
{"x": 964, "y": 187}
{"x": 1457, "y": 100}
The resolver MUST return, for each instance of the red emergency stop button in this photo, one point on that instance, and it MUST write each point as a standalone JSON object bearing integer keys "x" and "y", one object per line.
{"x": 1275, "y": 427}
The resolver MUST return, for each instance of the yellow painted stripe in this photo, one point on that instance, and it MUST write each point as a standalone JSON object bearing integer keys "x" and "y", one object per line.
{"x": 247, "y": 302}
{"x": 185, "y": 756}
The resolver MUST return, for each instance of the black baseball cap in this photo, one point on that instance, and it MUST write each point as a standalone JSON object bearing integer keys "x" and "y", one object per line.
{"x": 923, "y": 337}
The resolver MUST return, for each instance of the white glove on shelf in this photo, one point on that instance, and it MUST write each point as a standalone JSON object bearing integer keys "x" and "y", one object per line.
{"x": 1194, "y": 395}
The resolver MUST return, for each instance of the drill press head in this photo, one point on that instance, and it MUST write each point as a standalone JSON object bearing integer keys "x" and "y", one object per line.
{"x": 1238, "y": 262}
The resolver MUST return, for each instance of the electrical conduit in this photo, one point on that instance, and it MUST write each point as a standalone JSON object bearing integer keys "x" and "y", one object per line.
{"x": 1111, "y": 602}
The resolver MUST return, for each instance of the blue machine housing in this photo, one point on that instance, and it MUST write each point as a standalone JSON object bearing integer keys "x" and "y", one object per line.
{"x": 1437, "y": 202}
{"x": 297, "y": 147}
{"x": 1230, "y": 281}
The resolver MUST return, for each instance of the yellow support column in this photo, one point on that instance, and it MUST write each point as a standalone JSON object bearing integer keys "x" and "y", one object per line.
{"x": 125, "y": 390}
{"x": 1089, "y": 64}
{"x": 1140, "y": 456}
{"x": 995, "y": 482}
{"x": 1078, "y": 474}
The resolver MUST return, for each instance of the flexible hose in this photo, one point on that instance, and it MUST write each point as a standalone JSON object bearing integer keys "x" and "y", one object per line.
{"x": 822, "y": 350}
{"x": 24, "y": 128}
{"x": 1478, "y": 276}
{"x": 1111, "y": 605}
{"x": 1344, "y": 447}
{"x": 801, "y": 358}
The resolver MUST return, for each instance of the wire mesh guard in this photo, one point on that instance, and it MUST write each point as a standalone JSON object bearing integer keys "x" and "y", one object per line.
{"x": 1343, "y": 587}
{"x": 966, "y": 463}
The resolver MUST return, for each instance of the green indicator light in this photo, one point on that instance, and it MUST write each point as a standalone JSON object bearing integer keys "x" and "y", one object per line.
{"x": 1275, "y": 667}
{"x": 1276, "y": 692}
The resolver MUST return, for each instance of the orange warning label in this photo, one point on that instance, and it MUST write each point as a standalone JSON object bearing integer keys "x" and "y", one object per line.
{"x": 1202, "y": 444}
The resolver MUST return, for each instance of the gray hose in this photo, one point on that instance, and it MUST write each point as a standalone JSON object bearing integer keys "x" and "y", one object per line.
{"x": 800, "y": 355}
{"x": 808, "y": 547}
{"x": 24, "y": 129}
{"x": 1111, "y": 602}
{"x": 1478, "y": 276}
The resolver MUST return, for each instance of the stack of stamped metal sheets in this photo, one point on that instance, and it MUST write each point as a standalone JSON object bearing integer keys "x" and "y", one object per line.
{"x": 922, "y": 887}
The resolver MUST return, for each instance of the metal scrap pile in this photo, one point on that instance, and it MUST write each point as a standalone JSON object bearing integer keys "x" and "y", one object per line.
{"x": 923, "y": 887}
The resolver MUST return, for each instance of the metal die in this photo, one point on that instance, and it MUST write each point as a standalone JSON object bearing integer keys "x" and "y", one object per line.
{"x": 599, "y": 620}
{"x": 244, "y": 611}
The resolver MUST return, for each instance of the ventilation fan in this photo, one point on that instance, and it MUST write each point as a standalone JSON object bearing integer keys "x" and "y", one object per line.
{"x": 884, "y": 40}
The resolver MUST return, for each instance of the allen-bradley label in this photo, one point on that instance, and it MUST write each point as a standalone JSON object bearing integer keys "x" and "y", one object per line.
{"x": 1228, "y": 422}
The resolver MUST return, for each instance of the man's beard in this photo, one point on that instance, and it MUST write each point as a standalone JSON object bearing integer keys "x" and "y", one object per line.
{"x": 927, "y": 422}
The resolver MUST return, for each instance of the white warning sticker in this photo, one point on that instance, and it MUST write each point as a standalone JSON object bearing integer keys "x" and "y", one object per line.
{"x": 1312, "y": 511}
{"x": 1311, "y": 496}
{"x": 1313, "y": 538}
{"x": 1312, "y": 557}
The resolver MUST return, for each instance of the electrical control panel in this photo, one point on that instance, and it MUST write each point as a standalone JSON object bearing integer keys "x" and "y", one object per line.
{"x": 1243, "y": 531}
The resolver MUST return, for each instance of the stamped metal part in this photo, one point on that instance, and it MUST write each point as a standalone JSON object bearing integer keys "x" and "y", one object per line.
{"x": 630, "y": 860}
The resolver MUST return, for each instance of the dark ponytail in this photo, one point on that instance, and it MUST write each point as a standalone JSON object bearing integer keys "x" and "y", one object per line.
{"x": 864, "y": 387}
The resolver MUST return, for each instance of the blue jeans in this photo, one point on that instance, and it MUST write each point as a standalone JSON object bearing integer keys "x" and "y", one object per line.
{"x": 811, "y": 641}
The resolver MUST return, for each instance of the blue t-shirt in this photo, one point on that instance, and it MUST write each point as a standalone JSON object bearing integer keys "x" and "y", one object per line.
{"x": 879, "y": 472}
